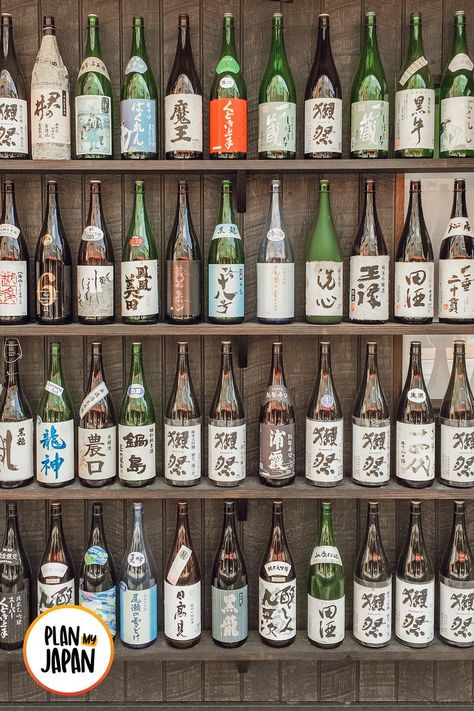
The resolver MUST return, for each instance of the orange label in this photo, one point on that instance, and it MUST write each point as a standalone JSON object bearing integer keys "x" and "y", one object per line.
{"x": 228, "y": 126}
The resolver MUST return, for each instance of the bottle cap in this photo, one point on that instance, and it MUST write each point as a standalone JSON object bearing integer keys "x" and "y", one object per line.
{"x": 183, "y": 20}
{"x": 324, "y": 186}
{"x": 138, "y": 21}
{"x": 8, "y": 186}
{"x": 370, "y": 185}
{"x": 7, "y": 20}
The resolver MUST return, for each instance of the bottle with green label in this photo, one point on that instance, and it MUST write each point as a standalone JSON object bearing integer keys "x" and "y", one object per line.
{"x": 277, "y": 101}
{"x": 415, "y": 100}
{"x": 324, "y": 266}
{"x": 369, "y": 100}
{"x": 136, "y": 430}
{"x": 456, "y": 131}
{"x": 55, "y": 461}
{"x": 138, "y": 100}
{"x": 226, "y": 265}
{"x": 93, "y": 100}
{"x": 15, "y": 584}
{"x": 139, "y": 290}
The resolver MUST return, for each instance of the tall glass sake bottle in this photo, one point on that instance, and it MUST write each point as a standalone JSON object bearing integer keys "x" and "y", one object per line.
{"x": 13, "y": 97}
{"x": 56, "y": 578}
{"x": 15, "y": 584}
{"x": 14, "y": 262}
{"x": 277, "y": 101}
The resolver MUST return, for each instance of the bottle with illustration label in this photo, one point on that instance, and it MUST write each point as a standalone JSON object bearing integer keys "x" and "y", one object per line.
{"x": 13, "y": 96}
{"x": 15, "y": 584}
{"x": 14, "y": 262}
{"x": 56, "y": 577}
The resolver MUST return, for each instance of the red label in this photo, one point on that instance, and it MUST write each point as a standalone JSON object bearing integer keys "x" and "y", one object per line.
{"x": 135, "y": 241}
{"x": 228, "y": 126}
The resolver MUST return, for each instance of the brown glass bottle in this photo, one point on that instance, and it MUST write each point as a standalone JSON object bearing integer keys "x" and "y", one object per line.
{"x": 14, "y": 134}
{"x": 14, "y": 262}
{"x": 56, "y": 582}
{"x": 15, "y": 584}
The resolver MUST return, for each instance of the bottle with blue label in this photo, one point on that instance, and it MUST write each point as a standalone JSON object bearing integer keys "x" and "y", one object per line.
{"x": 138, "y": 589}
{"x": 97, "y": 579}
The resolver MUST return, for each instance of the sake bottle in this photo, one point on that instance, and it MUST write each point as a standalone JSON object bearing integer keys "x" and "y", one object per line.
{"x": 275, "y": 266}
{"x": 277, "y": 101}
{"x": 15, "y": 584}
{"x": 16, "y": 424}
{"x": 56, "y": 577}
{"x": 140, "y": 268}
{"x": 324, "y": 452}
{"x": 50, "y": 110}
{"x": 182, "y": 587}
{"x": 326, "y": 599}
{"x": 182, "y": 427}
{"x": 324, "y": 266}
{"x": 14, "y": 262}
{"x": 136, "y": 430}
{"x": 55, "y": 465}
{"x": 97, "y": 431}
{"x": 229, "y": 586}
{"x": 13, "y": 97}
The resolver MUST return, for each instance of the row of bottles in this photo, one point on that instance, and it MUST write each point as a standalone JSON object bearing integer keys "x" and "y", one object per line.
{"x": 134, "y": 590}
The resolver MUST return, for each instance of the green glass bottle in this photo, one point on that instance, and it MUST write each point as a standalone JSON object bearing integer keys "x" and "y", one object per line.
{"x": 369, "y": 100}
{"x": 228, "y": 101}
{"x": 139, "y": 271}
{"x": 138, "y": 100}
{"x": 456, "y": 131}
{"x": 226, "y": 265}
{"x": 93, "y": 100}
{"x": 324, "y": 266}
{"x": 55, "y": 427}
{"x": 326, "y": 601}
{"x": 136, "y": 431}
{"x": 277, "y": 101}
{"x": 415, "y": 100}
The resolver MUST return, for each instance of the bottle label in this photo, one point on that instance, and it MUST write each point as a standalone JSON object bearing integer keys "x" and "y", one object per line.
{"x": 277, "y": 569}
{"x": 103, "y": 604}
{"x": 371, "y": 453}
{"x": 95, "y": 555}
{"x": 414, "y": 292}
{"x": 229, "y": 614}
{"x": 50, "y": 118}
{"x": 183, "y": 287}
{"x": 138, "y": 126}
{"x": 92, "y": 233}
{"x": 369, "y": 125}
{"x": 460, "y": 61}
{"x": 183, "y": 122}
{"x": 326, "y": 620}
{"x": 412, "y": 69}
{"x": 323, "y": 125}
{"x": 53, "y": 288}
{"x": 96, "y": 453}
{"x": 416, "y": 395}
{"x": 93, "y": 64}
{"x": 456, "y": 288}
{"x": 324, "y": 288}
{"x": 414, "y": 119}
{"x": 7, "y": 230}
{"x": 182, "y": 450}
{"x": 277, "y": 610}
{"x": 277, "y": 451}
{"x": 325, "y": 554}
{"x": 372, "y": 623}
{"x": 13, "y": 286}
{"x": 138, "y": 615}
{"x": 279, "y": 393}
{"x": 414, "y": 611}
{"x": 226, "y": 451}
{"x": 55, "y": 595}
{"x": 182, "y": 611}
{"x": 92, "y": 398}
{"x": 228, "y": 125}
{"x": 456, "y": 124}
{"x": 179, "y": 564}
{"x": 456, "y": 611}
{"x": 9, "y": 556}
{"x": 93, "y": 125}
{"x": 136, "y": 452}
{"x": 54, "y": 451}
{"x": 275, "y": 290}
{"x": 457, "y": 452}
{"x": 13, "y": 125}
{"x": 277, "y": 126}
{"x": 458, "y": 226}
{"x": 224, "y": 230}
{"x": 324, "y": 451}
{"x": 136, "y": 559}
{"x": 95, "y": 291}
{"x": 136, "y": 64}
{"x": 416, "y": 451}
{"x": 14, "y": 615}
{"x": 16, "y": 451}
{"x": 226, "y": 290}
{"x": 369, "y": 288}
{"x": 54, "y": 571}
{"x": 135, "y": 391}
{"x": 139, "y": 284}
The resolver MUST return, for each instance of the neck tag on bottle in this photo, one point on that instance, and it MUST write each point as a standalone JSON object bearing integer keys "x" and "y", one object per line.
{"x": 96, "y": 395}
{"x": 178, "y": 565}
{"x": 226, "y": 82}
{"x": 54, "y": 388}
{"x": 226, "y": 230}
{"x": 277, "y": 568}
{"x": 136, "y": 559}
{"x": 414, "y": 67}
{"x": 227, "y": 64}
{"x": 416, "y": 395}
{"x": 460, "y": 61}
{"x": 327, "y": 401}
{"x": 279, "y": 393}
{"x": 19, "y": 356}
{"x": 326, "y": 554}
{"x": 136, "y": 64}
{"x": 135, "y": 241}
{"x": 7, "y": 230}
{"x": 458, "y": 226}
{"x": 9, "y": 556}
{"x": 136, "y": 390}
{"x": 95, "y": 555}
{"x": 275, "y": 234}
{"x": 92, "y": 233}
{"x": 93, "y": 64}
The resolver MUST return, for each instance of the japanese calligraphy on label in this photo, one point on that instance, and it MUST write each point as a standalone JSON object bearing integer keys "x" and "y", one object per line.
{"x": 54, "y": 451}
{"x": 326, "y": 620}
{"x": 92, "y": 233}
{"x": 460, "y": 61}
{"x": 277, "y": 450}
{"x": 371, "y": 453}
{"x": 369, "y": 288}
{"x": 52, "y": 570}
{"x": 9, "y": 556}
{"x": 50, "y": 116}
{"x": 179, "y": 563}
{"x": 459, "y": 226}
{"x": 325, "y": 554}
{"x": 456, "y": 288}
{"x": 183, "y": 287}
{"x": 138, "y": 615}
{"x": 324, "y": 451}
{"x": 92, "y": 398}
{"x": 182, "y": 450}
{"x": 54, "y": 388}
{"x": 277, "y": 609}
{"x": 457, "y": 124}
{"x": 456, "y": 611}
{"x": 182, "y": 611}
{"x": 103, "y": 604}
{"x": 414, "y": 292}
{"x": 93, "y": 64}
{"x": 8, "y": 230}
{"x": 369, "y": 125}
{"x": 275, "y": 290}
{"x": 16, "y": 450}
{"x": 136, "y": 452}
{"x": 13, "y": 287}
{"x": 14, "y": 615}
{"x": 416, "y": 451}
{"x": 226, "y": 451}
{"x": 226, "y": 290}
{"x": 54, "y": 595}
{"x": 183, "y": 122}
{"x": 96, "y": 453}
{"x": 13, "y": 125}
{"x": 138, "y": 126}
{"x": 139, "y": 288}
{"x": 276, "y": 126}
{"x": 324, "y": 288}
{"x": 414, "y": 67}
{"x": 136, "y": 64}
{"x": 414, "y": 611}
{"x": 228, "y": 126}
{"x": 323, "y": 126}
{"x": 414, "y": 119}
{"x": 95, "y": 291}
{"x": 93, "y": 125}
{"x": 457, "y": 452}
{"x": 229, "y": 614}
{"x": 372, "y": 623}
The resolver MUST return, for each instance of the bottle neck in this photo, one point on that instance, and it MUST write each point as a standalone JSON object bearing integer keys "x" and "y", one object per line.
{"x": 136, "y": 370}
{"x": 227, "y": 371}
{"x": 275, "y": 216}
{"x": 373, "y": 530}
{"x": 183, "y": 210}
{"x": 8, "y": 46}
{"x": 415, "y": 368}
{"x": 93, "y": 42}
{"x": 228, "y": 41}
{"x": 97, "y": 528}
{"x": 415, "y": 211}
{"x": 182, "y": 367}
{"x": 226, "y": 213}
{"x": 416, "y": 532}
{"x": 95, "y": 210}
{"x": 459, "y": 39}
{"x": 56, "y": 532}
{"x": 12, "y": 533}
{"x": 277, "y": 51}
{"x": 326, "y": 536}
{"x": 183, "y": 536}
{"x": 371, "y": 366}
{"x": 323, "y": 44}
{"x": 459, "y": 366}
{"x": 324, "y": 211}
{"x": 138, "y": 43}
{"x": 184, "y": 42}
{"x": 13, "y": 377}
{"x": 96, "y": 375}
{"x": 459, "y": 208}
{"x": 415, "y": 46}
{"x": 325, "y": 370}
{"x": 229, "y": 525}
{"x": 55, "y": 368}
{"x": 52, "y": 213}
{"x": 138, "y": 223}
{"x": 370, "y": 42}
{"x": 277, "y": 374}
{"x": 9, "y": 209}
{"x": 138, "y": 536}
{"x": 278, "y": 530}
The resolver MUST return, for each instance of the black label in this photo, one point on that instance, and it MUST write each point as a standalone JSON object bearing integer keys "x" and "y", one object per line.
{"x": 14, "y": 615}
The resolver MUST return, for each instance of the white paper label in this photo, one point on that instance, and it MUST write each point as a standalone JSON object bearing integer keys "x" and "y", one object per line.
{"x": 92, "y": 233}
{"x": 371, "y": 454}
{"x": 275, "y": 290}
{"x": 226, "y": 452}
{"x": 93, "y": 64}
{"x": 182, "y": 608}
{"x": 7, "y": 230}
{"x": 178, "y": 565}
{"x": 458, "y": 226}
{"x": 139, "y": 288}
{"x": 136, "y": 452}
{"x": 460, "y": 61}
{"x": 416, "y": 451}
{"x": 369, "y": 288}
{"x": 182, "y": 451}
{"x": 97, "y": 453}
{"x": 275, "y": 234}
{"x": 276, "y": 126}
{"x": 183, "y": 122}
{"x": 323, "y": 125}
{"x": 54, "y": 388}
{"x": 324, "y": 288}
{"x": 414, "y": 293}
{"x": 372, "y": 621}
{"x": 226, "y": 229}
{"x": 135, "y": 391}
{"x": 324, "y": 451}
{"x": 53, "y": 570}
{"x": 416, "y": 395}
{"x": 13, "y": 125}
{"x": 93, "y": 125}
{"x": 95, "y": 291}
{"x": 54, "y": 451}
{"x": 55, "y": 595}
{"x": 277, "y": 568}
{"x": 414, "y": 67}
{"x": 136, "y": 64}
{"x": 277, "y": 610}
{"x": 457, "y": 453}
{"x": 414, "y": 611}
{"x": 325, "y": 554}
{"x": 456, "y": 124}
{"x": 16, "y": 451}
{"x": 92, "y": 398}
{"x": 456, "y": 288}
{"x": 136, "y": 559}
{"x": 456, "y": 611}
{"x": 13, "y": 286}
{"x": 414, "y": 119}
{"x": 50, "y": 117}
{"x": 138, "y": 615}
{"x": 326, "y": 620}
